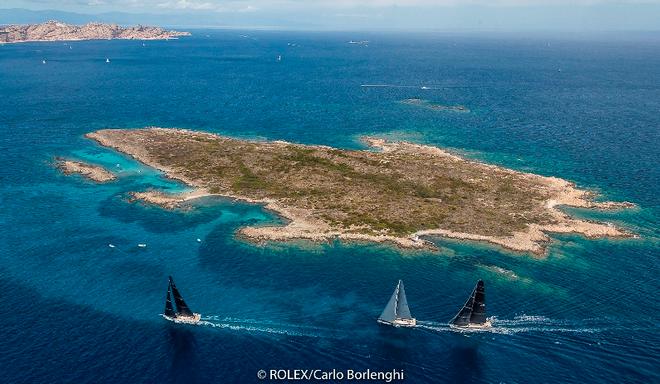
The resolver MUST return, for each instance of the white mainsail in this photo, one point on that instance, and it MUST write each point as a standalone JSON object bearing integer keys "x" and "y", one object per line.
{"x": 397, "y": 308}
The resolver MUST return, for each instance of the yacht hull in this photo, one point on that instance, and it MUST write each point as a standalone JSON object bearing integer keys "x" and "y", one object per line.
{"x": 485, "y": 325}
{"x": 400, "y": 323}
{"x": 194, "y": 319}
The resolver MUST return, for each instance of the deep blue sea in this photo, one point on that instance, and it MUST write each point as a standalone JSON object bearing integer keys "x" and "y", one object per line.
{"x": 75, "y": 310}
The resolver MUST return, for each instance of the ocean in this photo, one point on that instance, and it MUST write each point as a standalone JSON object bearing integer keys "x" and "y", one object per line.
{"x": 74, "y": 309}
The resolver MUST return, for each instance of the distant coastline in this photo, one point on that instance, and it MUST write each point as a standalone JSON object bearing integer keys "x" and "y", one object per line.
{"x": 58, "y": 31}
{"x": 385, "y": 196}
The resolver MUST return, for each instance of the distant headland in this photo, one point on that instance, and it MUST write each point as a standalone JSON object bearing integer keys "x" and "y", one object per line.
{"x": 58, "y": 31}
{"x": 396, "y": 193}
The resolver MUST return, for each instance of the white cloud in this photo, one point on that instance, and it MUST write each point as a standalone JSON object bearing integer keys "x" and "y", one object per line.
{"x": 414, "y": 14}
{"x": 243, "y": 5}
{"x": 351, "y": 9}
{"x": 344, "y": 5}
{"x": 188, "y": 4}
{"x": 249, "y": 8}
{"x": 206, "y": 5}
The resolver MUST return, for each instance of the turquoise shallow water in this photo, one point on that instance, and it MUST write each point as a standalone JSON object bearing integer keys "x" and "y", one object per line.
{"x": 75, "y": 309}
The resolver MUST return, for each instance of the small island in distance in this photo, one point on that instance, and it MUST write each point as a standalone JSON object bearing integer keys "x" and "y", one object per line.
{"x": 435, "y": 106}
{"x": 58, "y": 31}
{"x": 89, "y": 171}
{"x": 395, "y": 193}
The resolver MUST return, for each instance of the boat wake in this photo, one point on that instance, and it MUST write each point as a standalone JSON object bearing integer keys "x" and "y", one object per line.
{"x": 398, "y": 86}
{"x": 521, "y": 324}
{"x": 254, "y": 326}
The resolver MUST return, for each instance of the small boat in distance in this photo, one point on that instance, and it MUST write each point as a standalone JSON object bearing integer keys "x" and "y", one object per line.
{"x": 397, "y": 312}
{"x": 107, "y": 60}
{"x": 473, "y": 313}
{"x": 182, "y": 314}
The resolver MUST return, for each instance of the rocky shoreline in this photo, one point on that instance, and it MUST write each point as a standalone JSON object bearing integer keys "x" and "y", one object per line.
{"x": 58, "y": 31}
{"x": 89, "y": 171}
{"x": 304, "y": 223}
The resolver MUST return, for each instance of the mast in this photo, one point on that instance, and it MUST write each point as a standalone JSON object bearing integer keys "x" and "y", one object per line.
{"x": 478, "y": 315}
{"x": 181, "y": 306}
{"x": 396, "y": 300}
{"x": 169, "y": 309}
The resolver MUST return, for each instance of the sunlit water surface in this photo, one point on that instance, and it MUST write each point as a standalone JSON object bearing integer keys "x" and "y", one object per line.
{"x": 75, "y": 309}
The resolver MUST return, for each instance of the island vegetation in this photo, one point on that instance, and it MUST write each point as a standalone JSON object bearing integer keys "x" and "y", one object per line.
{"x": 397, "y": 192}
{"x": 89, "y": 171}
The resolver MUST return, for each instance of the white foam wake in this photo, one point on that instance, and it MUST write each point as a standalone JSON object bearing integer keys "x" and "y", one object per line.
{"x": 519, "y": 324}
{"x": 397, "y": 86}
{"x": 254, "y": 326}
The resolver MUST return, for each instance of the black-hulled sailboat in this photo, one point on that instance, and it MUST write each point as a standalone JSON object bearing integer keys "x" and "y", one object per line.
{"x": 397, "y": 312}
{"x": 182, "y": 314}
{"x": 473, "y": 313}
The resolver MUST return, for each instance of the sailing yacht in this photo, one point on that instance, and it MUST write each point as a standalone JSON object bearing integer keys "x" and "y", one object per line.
{"x": 182, "y": 314}
{"x": 473, "y": 313}
{"x": 396, "y": 312}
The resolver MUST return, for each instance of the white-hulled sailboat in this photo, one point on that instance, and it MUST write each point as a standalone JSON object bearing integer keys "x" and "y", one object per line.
{"x": 182, "y": 314}
{"x": 397, "y": 312}
{"x": 473, "y": 313}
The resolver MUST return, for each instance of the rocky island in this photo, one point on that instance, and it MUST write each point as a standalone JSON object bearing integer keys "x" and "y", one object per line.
{"x": 89, "y": 171}
{"x": 395, "y": 193}
{"x": 58, "y": 31}
{"x": 435, "y": 106}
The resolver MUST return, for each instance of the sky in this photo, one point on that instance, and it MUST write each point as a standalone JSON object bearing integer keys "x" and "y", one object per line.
{"x": 568, "y": 15}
